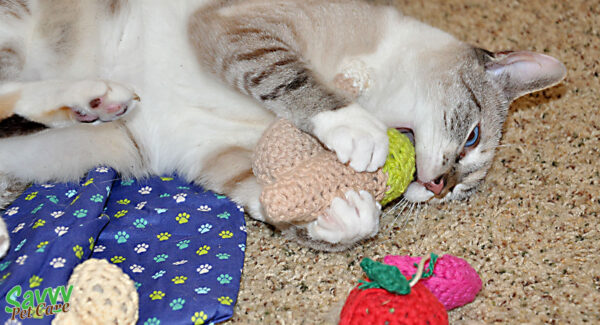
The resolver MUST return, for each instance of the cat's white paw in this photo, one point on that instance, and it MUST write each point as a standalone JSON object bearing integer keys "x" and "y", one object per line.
{"x": 96, "y": 101}
{"x": 348, "y": 220}
{"x": 355, "y": 135}
{"x": 4, "y": 238}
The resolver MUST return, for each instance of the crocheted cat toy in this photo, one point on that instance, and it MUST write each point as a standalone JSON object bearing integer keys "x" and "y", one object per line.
{"x": 102, "y": 294}
{"x": 388, "y": 298}
{"x": 300, "y": 177}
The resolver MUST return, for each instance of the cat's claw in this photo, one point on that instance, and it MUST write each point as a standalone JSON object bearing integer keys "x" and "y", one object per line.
{"x": 101, "y": 101}
{"x": 355, "y": 135}
{"x": 348, "y": 220}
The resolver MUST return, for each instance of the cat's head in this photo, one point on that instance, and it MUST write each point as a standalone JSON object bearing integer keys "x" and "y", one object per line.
{"x": 468, "y": 100}
{"x": 454, "y": 102}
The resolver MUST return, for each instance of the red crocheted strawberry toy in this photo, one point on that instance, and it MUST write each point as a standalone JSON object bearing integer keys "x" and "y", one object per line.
{"x": 387, "y": 298}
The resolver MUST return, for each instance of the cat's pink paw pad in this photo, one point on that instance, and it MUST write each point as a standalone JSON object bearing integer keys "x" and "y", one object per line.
{"x": 106, "y": 101}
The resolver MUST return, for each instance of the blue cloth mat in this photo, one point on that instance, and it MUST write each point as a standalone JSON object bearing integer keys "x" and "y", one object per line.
{"x": 181, "y": 245}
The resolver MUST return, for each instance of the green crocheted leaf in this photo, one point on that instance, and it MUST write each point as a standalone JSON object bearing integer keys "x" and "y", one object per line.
{"x": 400, "y": 165}
{"x": 384, "y": 276}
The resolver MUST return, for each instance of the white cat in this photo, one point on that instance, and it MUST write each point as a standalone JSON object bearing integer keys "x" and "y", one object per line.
{"x": 212, "y": 75}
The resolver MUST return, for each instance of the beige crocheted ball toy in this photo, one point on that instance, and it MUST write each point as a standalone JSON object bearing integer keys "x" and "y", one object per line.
{"x": 102, "y": 294}
{"x": 300, "y": 177}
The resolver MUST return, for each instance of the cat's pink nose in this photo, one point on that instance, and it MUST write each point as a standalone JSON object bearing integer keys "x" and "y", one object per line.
{"x": 436, "y": 186}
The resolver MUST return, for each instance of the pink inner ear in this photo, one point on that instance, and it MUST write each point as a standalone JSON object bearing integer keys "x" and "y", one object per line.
{"x": 528, "y": 71}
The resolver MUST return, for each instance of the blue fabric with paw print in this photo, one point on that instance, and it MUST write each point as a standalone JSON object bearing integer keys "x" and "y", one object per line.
{"x": 181, "y": 245}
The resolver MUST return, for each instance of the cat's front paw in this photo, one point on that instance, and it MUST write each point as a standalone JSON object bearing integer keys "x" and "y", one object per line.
{"x": 355, "y": 135}
{"x": 348, "y": 220}
{"x": 100, "y": 101}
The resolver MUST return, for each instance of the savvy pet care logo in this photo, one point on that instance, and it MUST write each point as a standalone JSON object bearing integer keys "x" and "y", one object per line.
{"x": 34, "y": 304}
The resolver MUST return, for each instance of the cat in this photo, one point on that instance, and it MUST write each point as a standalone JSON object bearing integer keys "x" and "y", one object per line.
{"x": 157, "y": 87}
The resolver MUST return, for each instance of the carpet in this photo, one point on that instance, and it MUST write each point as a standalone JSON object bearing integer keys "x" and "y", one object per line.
{"x": 533, "y": 230}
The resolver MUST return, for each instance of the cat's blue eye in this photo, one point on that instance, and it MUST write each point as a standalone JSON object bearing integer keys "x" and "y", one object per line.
{"x": 473, "y": 138}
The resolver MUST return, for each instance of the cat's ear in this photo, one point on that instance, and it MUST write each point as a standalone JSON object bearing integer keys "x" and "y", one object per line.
{"x": 523, "y": 72}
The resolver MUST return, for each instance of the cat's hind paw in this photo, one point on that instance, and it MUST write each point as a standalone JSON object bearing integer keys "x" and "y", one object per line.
{"x": 348, "y": 219}
{"x": 101, "y": 101}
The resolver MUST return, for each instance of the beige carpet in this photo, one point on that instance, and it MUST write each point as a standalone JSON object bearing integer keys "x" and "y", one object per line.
{"x": 533, "y": 231}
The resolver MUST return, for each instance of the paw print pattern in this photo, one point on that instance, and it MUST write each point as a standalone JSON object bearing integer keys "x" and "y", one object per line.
{"x": 78, "y": 251}
{"x": 128, "y": 182}
{"x": 123, "y": 201}
{"x": 177, "y": 304}
{"x": 99, "y": 248}
{"x": 199, "y": 318}
{"x": 204, "y": 268}
{"x": 121, "y": 237}
{"x": 203, "y": 250}
{"x": 225, "y": 234}
{"x": 223, "y": 256}
{"x": 117, "y": 259}
{"x": 160, "y": 258}
{"x": 35, "y": 281}
{"x": 225, "y": 300}
{"x": 242, "y": 247}
{"x": 18, "y": 228}
{"x": 97, "y": 198}
{"x": 205, "y": 228}
{"x": 57, "y": 214}
{"x": 157, "y": 295}
{"x": 140, "y": 223}
{"x": 159, "y": 274}
{"x": 179, "y": 279}
{"x": 204, "y": 208}
{"x": 139, "y": 215}
{"x": 41, "y": 247}
{"x": 179, "y": 198}
{"x": 81, "y": 213}
{"x": 224, "y": 278}
{"x": 4, "y": 265}
{"x": 182, "y": 217}
{"x": 102, "y": 169}
{"x": 58, "y": 262}
{"x": 140, "y": 248}
{"x": 121, "y": 214}
{"x": 20, "y": 245}
{"x": 12, "y": 211}
{"x": 61, "y": 230}
{"x": 39, "y": 223}
{"x": 152, "y": 321}
{"x": 21, "y": 259}
{"x": 183, "y": 244}
{"x": 202, "y": 290}
{"x": 31, "y": 196}
{"x": 163, "y": 236}
{"x": 136, "y": 268}
{"x": 145, "y": 190}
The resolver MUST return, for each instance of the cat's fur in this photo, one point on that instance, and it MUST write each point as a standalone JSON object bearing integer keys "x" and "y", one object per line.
{"x": 212, "y": 75}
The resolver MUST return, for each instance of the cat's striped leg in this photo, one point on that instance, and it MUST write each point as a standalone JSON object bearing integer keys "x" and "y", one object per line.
{"x": 262, "y": 57}
{"x": 60, "y": 103}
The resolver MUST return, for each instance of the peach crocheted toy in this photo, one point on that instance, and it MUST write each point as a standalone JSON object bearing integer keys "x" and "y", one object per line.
{"x": 102, "y": 294}
{"x": 300, "y": 177}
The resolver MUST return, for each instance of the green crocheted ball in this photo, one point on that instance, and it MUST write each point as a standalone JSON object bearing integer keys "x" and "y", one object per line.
{"x": 400, "y": 165}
